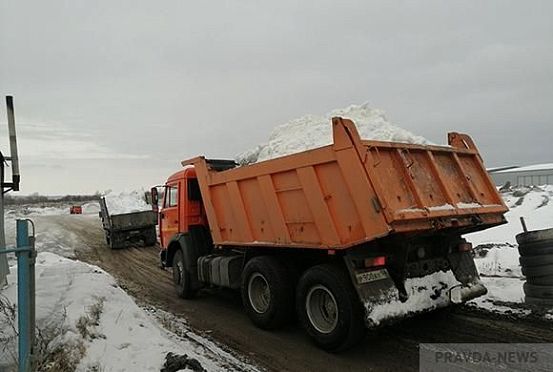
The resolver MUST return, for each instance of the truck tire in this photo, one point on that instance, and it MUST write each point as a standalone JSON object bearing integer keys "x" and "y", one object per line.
{"x": 539, "y": 291}
{"x": 267, "y": 292}
{"x": 540, "y": 280}
{"x": 530, "y": 261}
{"x": 328, "y": 308}
{"x": 538, "y": 301}
{"x": 181, "y": 277}
{"x": 149, "y": 236}
{"x": 537, "y": 236}
{"x": 543, "y": 270}
{"x": 117, "y": 240}
{"x": 536, "y": 249}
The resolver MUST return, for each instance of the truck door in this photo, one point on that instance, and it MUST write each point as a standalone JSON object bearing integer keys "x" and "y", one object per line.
{"x": 169, "y": 215}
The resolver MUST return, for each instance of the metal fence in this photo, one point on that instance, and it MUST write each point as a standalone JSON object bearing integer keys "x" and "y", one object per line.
{"x": 26, "y": 254}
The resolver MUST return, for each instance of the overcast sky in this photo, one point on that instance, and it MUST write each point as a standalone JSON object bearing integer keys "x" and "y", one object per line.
{"x": 113, "y": 94}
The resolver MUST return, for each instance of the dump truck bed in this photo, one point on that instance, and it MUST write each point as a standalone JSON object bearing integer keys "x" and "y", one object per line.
{"x": 350, "y": 192}
{"x": 126, "y": 221}
{"x": 133, "y": 220}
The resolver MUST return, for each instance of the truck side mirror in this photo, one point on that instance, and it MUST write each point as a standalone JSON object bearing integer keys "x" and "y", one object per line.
{"x": 155, "y": 198}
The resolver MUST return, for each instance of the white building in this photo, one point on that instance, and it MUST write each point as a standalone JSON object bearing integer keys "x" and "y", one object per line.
{"x": 538, "y": 174}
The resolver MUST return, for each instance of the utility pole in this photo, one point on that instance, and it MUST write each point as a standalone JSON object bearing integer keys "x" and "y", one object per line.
{"x": 7, "y": 186}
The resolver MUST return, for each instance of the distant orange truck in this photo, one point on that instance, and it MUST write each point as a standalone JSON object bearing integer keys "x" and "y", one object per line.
{"x": 336, "y": 235}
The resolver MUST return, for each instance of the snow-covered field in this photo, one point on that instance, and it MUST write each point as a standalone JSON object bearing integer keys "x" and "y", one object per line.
{"x": 312, "y": 131}
{"x": 497, "y": 256}
{"x": 126, "y": 337}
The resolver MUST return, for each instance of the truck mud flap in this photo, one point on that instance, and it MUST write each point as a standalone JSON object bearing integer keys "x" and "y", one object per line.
{"x": 463, "y": 266}
{"x": 384, "y": 304}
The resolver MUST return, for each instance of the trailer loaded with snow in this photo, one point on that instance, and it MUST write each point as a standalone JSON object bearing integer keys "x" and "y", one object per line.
{"x": 348, "y": 236}
{"x": 122, "y": 229}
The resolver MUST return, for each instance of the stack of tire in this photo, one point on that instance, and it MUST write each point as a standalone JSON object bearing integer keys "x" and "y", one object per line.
{"x": 536, "y": 259}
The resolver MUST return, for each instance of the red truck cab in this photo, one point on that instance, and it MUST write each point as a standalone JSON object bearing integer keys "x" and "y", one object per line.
{"x": 76, "y": 209}
{"x": 181, "y": 207}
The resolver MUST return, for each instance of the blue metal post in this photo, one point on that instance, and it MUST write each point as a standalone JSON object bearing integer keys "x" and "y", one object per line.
{"x": 23, "y": 296}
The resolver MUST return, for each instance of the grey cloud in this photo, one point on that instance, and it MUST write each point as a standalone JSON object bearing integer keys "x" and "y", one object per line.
{"x": 167, "y": 81}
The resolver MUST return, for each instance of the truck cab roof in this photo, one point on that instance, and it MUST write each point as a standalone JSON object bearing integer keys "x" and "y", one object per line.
{"x": 186, "y": 172}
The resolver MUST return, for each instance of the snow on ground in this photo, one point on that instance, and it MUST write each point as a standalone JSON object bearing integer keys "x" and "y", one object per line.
{"x": 534, "y": 204}
{"x": 126, "y": 202}
{"x": 312, "y": 131}
{"x": 498, "y": 260}
{"x": 48, "y": 240}
{"x": 497, "y": 257}
{"x": 129, "y": 338}
{"x": 502, "y": 290}
{"x": 126, "y": 337}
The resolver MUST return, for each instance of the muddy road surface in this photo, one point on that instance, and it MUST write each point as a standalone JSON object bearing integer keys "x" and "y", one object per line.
{"x": 218, "y": 314}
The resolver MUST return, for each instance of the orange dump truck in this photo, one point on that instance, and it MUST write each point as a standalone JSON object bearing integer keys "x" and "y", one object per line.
{"x": 346, "y": 237}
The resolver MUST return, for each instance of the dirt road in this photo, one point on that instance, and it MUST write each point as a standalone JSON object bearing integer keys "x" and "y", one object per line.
{"x": 219, "y": 315}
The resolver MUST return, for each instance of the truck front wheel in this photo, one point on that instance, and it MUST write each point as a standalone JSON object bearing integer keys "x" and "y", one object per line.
{"x": 181, "y": 276}
{"x": 328, "y": 308}
{"x": 267, "y": 292}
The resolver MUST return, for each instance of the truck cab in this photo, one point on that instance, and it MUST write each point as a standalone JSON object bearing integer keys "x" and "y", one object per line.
{"x": 181, "y": 207}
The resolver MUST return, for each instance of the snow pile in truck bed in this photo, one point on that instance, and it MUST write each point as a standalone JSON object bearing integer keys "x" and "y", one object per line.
{"x": 312, "y": 131}
{"x": 126, "y": 202}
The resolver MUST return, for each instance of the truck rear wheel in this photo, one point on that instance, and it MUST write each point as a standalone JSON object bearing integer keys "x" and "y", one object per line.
{"x": 149, "y": 236}
{"x": 181, "y": 276}
{"x": 329, "y": 309}
{"x": 267, "y": 292}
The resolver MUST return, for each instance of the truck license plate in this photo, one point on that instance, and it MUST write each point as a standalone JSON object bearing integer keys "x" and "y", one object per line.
{"x": 371, "y": 276}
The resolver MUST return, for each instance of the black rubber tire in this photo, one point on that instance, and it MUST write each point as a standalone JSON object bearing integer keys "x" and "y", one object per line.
{"x": 535, "y": 236}
{"x": 181, "y": 277}
{"x": 538, "y": 301}
{"x": 116, "y": 241}
{"x": 280, "y": 308}
{"x": 350, "y": 327}
{"x": 532, "y": 271}
{"x": 150, "y": 237}
{"x": 540, "y": 280}
{"x": 536, "y": 248}
{"x": 530, "y": 261}
{"x": 539, "y": 291}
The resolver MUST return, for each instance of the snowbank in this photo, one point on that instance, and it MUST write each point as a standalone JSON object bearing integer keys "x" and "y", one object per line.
{"x": 502, "y": 292}
{"x": 534, "y": 204}
{"x": 91, "y": 208}
{"x": 127, "y": 338}
{"x": 126, "y": 202}
{"x": 498, "y": 260}
{"x": 312, "y": 131}
{"x": 497, "y": 257}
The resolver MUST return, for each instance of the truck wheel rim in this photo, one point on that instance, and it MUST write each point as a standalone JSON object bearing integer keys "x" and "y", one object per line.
{"x": 259, "y": 293}
{"x": 322, "y": 309}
